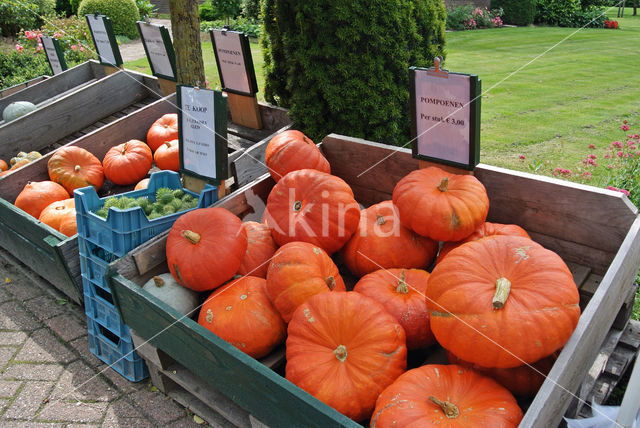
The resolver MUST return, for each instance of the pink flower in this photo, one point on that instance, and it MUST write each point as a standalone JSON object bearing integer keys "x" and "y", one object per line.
{"x": 81, "y": 48}
{"x": 625, "y": 127}
{"x": 620, "y": 154}
{"x": 19, "y": 48}
{"x": 30, "y": 35}
{"x": 607, "y": 156}
{"x": 592, "y": 146}
{"x": 57, "y": 35}
{"x": 636, "y": 136}
{"x": 522, "y": 157}
{"x": 592, "y": 156}
{"x": 625, "y": 122}
{"x": 74, "y": 47}
{"x": 626, "y": 192}
{"x": 586, "y": 175}
{"x": 617, "y": 144}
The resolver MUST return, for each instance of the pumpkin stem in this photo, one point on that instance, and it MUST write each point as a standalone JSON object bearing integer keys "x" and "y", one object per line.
{"x": 444, "y": 184}
{"x": 341, "y": 353}
{"x": 380, "y": 219}
{"x": 192, "y": 237}
{"x": 331, "y": 282}
{"x": 450, "y": 410}
{"x": 503, "y": 287}
{"x": 158, "y": 281}
{"x": 124, "y": 149}
{"x": 297, "y": 205}
{"x": 76, "y": 168}
{"x": 402, "y": 285}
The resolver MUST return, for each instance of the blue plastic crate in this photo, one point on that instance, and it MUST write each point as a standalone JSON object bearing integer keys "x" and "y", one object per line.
{"x": 117, "y": 352}
{"x": 123, "y": 230}
{"x": 99, "y": 306}
{"x": 94, "y": 262}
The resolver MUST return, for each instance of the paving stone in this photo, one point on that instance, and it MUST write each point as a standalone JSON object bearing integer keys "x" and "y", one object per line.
{"x": 121, "y": 383}
{"x": 67, "y": 327}
{"x": 18, "y": 424}
{"x": 29, "y": 400}
{"x": 80, "y": 382}
{"x": 5, "y": 296}
{"x": 33, "y": 371}
{"x": 43, "y": 346}
{"x": 21, "y": 287}
{"x": 44, "y": 307}
{"x": 163, "y": 408}
{"x": 8, "y": 388}
{"x": 121, "y": 413}
{"x": 15, "y": 317}
{"x": 82, "y": 346}
{"x": 186, "y": 422}
{"x": 13, "y": 337}
{"x": 6, "y": 352}
{"x": 76, "y": 411}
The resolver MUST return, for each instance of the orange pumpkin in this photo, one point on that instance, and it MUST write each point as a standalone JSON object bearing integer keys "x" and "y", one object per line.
{"x": 74, "y": 167}
{"x": 260, "y": 249}
{"x": 445, "y": 396}
{"x": 127, "y": 163}
{"x": 441, "y": 205}
{"x": 68, "y": 225}
{"x": 163, "y": 129}
{"x": 37, "y": 195}
{"x": 55, "y": 212}
{"x": 240, "y": 313}
{"x": 344, "y": 349}
{"x": 401, "y": 292}
{"x": 299, "y": 270}
{"x": 19, "y": 164}
{"x": 502, "y": 301}
{"x": 142, "y": 184}
{"x": 380, "y": 241}
{"x": 291, "y": 150}
{"x": 167, "y": 156}
{"x": 3, "y": 165}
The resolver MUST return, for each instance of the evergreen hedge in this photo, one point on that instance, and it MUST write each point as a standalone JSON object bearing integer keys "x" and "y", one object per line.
{"x": 516, "y": 12}
{"x": 122, "y": 13}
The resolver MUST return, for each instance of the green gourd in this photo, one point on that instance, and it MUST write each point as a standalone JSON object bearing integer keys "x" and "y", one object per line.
{"x": 165, "y": 288}
{"x": 17, "y": 109}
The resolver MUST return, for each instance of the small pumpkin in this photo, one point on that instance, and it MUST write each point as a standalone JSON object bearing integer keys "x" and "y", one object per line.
{"x": 344, "y": 349}
{"x": 127, "y": 163}
{"x": 441, "y": 205}
{"x": 142, "y": 184}
{"x": 205, "y": 248}
{"x": 240, "y": 313}
{"x": 74, "y": 167}
{"x": 163, "y": 129}
{"x": 167, "y": 156}
{"x": 297, "y": 271}
{"x": 167, "y": 289}
{"x": 19, "y": 163}
{"x": 291, "y": 150}
{"x": 452, "y": 396}
{"x": 260, "y": 249}
{"x": 55, "y": 212}
{"x": 17, "y": 109}
{"x": 3, "y": 165}
{"x": 36, "y": 195}
{"x": 68, "y": 225}
{"x": 380, "y": 241}
{"x": 401, "y": 292}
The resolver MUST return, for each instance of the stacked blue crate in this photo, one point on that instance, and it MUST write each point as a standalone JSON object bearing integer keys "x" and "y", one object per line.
{"x": 101, "y": 241}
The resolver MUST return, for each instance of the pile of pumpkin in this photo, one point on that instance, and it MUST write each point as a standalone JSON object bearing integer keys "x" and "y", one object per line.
{"x": 499, "y": 303}
{"x": 73, "y": 167}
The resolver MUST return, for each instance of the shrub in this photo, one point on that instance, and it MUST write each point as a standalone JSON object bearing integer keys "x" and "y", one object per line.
{"x": 123, "y": 14}
{"x": 17, "y": 67}
{"x": 457, "y": 17}
{"x": 469, "y": 18}
{"x": 344, "y": 64}
{"x": 145, "y": 8}
{"x": 63, "y": 8}
{"x": 251, "y": 9}
{"x": 74, "y": 5}
{"x": 205, "y": 11}
{"x": 559, "y": 13}
{"x": 23, "y": 14}
{"x": 516, "y": 12}
{"x": 250, "y": 27}
{"x": 226, "y": 8}
{"x": 593, "y": 17}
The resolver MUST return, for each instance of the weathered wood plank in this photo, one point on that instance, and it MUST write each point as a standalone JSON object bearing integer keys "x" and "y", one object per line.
{"x": 247, "y": 133}
{"x": 20, "y": 86}
{"x": 249, "y": 201}
{"x": 580, "y": 273}
{"x": 273, "y": 118}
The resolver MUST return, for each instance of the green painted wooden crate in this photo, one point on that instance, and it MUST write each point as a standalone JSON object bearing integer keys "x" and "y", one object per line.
{"x": 595, "y": 231}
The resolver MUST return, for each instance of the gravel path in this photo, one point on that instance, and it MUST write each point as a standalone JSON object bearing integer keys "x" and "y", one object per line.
{"x": 134, "y": 50}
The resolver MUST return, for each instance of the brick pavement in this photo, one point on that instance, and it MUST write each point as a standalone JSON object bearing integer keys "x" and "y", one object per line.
{"x": 48, "y": 376}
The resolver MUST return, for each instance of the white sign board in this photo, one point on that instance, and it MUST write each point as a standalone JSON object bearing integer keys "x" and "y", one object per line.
{"x": 197, "y": 129}
{"x": 156, "y": 49}
{"x": 52, "y": 55}
{"x": 102, "y": 40}
{"x": 231, "y": 63}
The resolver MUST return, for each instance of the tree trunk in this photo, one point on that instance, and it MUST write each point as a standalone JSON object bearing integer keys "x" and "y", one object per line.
{"x": 185, "y": 26}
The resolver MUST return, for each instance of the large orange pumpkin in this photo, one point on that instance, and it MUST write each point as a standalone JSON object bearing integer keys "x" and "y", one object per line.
{"x": 312, "y": 206}
{"x": 240, "y": 313}
{"x": 127, "y": 163}
{"x": 441, "y": 205}
{"x": 401, "y": 292}
{"x": 74, "y": 167}
{"x": 445, "y": 396}
{"x": 297, "y": 271}
{"x": 344, "y": 349}
{"x": 502, "y": 301}
{"x": 68, "y": 225}
{"x": 167, "y": 156}
{"x": 260, "y": 249}
{"x": 142, "y": 184}
{"x": 380, "y": 241}
{"x": 291, "y": 150}
{"x": 163, "y": 129}
{"x": 36, "y": 195}
{"x": 55, "y": 212}
{"x": 205, "y": 248}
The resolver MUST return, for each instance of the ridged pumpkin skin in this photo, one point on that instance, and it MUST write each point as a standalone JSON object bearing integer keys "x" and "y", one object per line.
{"x": 380, "y": 241}
{"x": 536, "y": 317}
{"x": 441, "y": 205}
{"x": 344, "y": 349}
{"x": 479, "y": 401}
{"x": 291, "y": 150}
{"x": 163, "y": 129}
{"x": 68, "y": 225}
{"x": 74, "y": 167}
{"x": 205, "y": 247}
{"x": 53, "y": 214}
{"x": 484, "y": 230}
{"x": 240, "y": 313}
{"x": 36, "y": 195}
{"x": 297, "y": 271}
{"x": 167, "y": 156}
{"x": 401, "y": 292}
{"x": 312, "y": 206}
{"x": 260, "y": 249}
{"x": 127, "y": 163}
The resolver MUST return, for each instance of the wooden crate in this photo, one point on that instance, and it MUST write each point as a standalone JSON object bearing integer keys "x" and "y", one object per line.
{"x": 594, "y": 230}
{"x": 20, "y": 86}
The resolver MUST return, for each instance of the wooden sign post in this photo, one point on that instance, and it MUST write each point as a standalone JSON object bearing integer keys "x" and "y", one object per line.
{"x": 445, "y": 118}
{"x": 54, "y": 54}
{"x": 237, "y": 76}
{"x": 162, "y": 58}
{"x": 202, "y": 130}
{"x": 105, "y": 42}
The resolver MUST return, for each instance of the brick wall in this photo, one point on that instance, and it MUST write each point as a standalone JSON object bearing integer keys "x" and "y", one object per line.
{"x": 455, "y": 3}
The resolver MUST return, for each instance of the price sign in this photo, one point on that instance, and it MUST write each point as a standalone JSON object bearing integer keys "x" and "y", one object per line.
{"x": 445, "y": 113}
{"x": 157, "y": 44}
{"x": 104, "y": 39}
{"x": 202, "y": 129}
{"x": 235, "y": 64}
{"x": 54, "y": 54}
